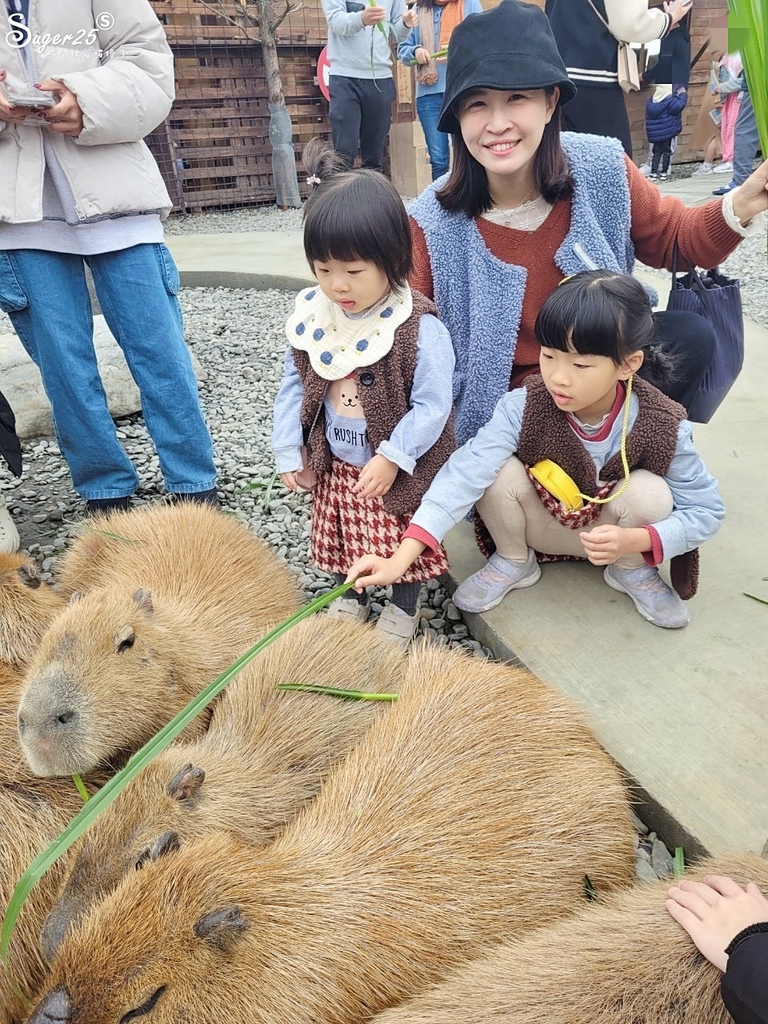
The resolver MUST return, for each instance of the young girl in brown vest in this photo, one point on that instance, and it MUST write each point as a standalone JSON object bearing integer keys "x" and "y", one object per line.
{"x": 645, "y": 494}
{"x": 364, "y": 411}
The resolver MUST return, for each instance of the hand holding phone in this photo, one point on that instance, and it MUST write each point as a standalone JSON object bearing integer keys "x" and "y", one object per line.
{"x": 31, "y": 99}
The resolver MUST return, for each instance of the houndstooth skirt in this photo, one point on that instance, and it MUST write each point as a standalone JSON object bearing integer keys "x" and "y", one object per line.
{"x": 345, "y": 527}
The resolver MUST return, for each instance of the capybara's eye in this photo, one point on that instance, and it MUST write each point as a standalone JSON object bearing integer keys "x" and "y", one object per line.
{"x": 144, "y": 1009}
{"x": 142, "y": 859}
{"x": 66, "y": 718}
{"x": 126, "y": 643}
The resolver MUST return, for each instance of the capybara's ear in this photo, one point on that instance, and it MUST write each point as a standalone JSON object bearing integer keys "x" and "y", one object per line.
{"x": 29, "y": 575}
{"x": 143, "y": 599}
{"x": 57, "y": 1006}
{"x": 75, "y": 596}
{"x": 222, "y": 928}
{"x": 185, "y": 785}
{"x": 166, "y": 842}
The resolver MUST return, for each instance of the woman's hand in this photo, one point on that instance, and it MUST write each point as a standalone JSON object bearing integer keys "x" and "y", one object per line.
{"x": 677, "y": 9}
{"x": 65, "y": 116}
{"x": 420, "y": 55}
{"x": 411, "y": 18}
{"x": 605, "y": 544}
{"x": 9, "y": 114}
{"x": 751, "y": 197}
{"x": 714, "y": 911}
{"x": 376, "y": 477}
{"x": 373, "y": 15}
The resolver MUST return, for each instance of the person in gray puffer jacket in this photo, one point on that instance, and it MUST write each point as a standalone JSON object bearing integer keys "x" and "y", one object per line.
{"x": 81, "y": 188}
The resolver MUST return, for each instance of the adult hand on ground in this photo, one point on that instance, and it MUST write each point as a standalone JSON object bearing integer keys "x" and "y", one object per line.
{"x": 65, "y": 116}
{"x": 605, "y": 544}
{"x": 9, "y": 114}
{"x": 376, "y": 477}
{"x": 411, "y": 18}
{"x": 677, "y": 9}
{"x": 714, "y": 911}
{"x": 373, "y": 15}
{"x": 420, "y": 55}
{"x": 751, "y": 197}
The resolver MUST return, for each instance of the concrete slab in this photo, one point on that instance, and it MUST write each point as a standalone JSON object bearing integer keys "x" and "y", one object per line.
{"x": 683, "y": 711}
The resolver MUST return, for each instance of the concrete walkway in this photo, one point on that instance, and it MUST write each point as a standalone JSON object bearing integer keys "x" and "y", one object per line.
{"x": 682, "y": 711}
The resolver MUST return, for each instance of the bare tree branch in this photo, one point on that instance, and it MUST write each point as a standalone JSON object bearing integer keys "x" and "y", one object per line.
{"x": 289, "y": 9}
{"x": 216, "y": 8}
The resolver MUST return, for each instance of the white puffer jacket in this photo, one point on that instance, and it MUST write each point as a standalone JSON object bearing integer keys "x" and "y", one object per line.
{"x": 114, "y": 56}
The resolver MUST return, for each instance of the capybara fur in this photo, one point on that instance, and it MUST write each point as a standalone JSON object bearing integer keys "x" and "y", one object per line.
{"x": 27, "y": 606}
{"x": 263, "y": 758}
{"x": 174, "y": 594}
{"x": 468, "y": 812}
{"x": 33, "y": 812}
{"x": 624, "y": 961}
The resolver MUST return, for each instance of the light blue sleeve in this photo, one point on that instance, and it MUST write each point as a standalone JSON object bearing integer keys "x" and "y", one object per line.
{"x": 407, "y": 49}
{"x": 396, "y": 12}
{"x": 341, "y": 21}
{"x": 698, "y": 509}
{"x": 431, "y": 397}
{"x": 287, "y": 435}
{"x": 472, "y": 469}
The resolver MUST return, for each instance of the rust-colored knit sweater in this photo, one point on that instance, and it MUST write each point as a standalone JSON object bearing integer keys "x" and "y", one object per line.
{"x": 703, "y": 236}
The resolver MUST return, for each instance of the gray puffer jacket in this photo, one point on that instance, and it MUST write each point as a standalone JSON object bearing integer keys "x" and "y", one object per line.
{"x": 114, "y": 56}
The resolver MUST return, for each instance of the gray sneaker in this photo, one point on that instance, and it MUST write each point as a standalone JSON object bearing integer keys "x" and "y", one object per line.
{"x": 489, "y": 586}
{"x": 656, "y": 602}
{"x": 349, "y": 609}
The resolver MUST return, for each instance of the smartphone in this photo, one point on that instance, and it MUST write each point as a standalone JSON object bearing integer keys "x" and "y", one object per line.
{"x": 33, "y": 99}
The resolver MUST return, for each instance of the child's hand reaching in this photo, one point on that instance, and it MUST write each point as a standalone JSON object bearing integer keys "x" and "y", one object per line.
{"x": 714, "y": 911}
{"x": 605, "y": 544}
{"x": 376, "y": 478}
{"x": 374, "y": 571}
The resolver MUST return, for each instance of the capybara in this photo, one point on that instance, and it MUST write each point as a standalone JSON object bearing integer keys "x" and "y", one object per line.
{"x": 174, "y": 594}
{"x": 616, "y": 962}
{"x": 263, "y": 758}
{"x": 471, "y": 810}
{"x": 32, "y": 813}
{"x": 27, "y": 606}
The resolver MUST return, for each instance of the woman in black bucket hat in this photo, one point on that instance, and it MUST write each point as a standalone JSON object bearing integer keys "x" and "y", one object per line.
{"x": 525, "y": 205}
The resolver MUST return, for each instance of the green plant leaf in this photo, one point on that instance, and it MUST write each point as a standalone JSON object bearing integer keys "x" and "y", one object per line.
{"x": 80, "y": 787}
{"x": 140, "y": 759}
{"x": 678, "y": 868}
{"x": 335, "y": 691}
{"x": 748, "y": 34}
{"x": 754, "y": 597}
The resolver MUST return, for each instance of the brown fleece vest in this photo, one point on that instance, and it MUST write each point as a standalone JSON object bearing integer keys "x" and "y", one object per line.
{"x": 546, "y": 434}
{"x": 384, "y": 390}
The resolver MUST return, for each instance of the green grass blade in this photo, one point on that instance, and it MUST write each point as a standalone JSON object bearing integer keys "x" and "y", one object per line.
{"x": 80, "y": 787}
{"x": 140, "y": 759}
{"x": 748, "y": 33}
{"x": 678, "y": 868}
{"x": 334, "y": 691}
{"x": 754, "y": 597}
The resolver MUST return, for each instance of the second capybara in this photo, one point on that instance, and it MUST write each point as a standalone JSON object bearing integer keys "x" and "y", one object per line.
{"x": 262, "y": 759}
{"x": 470, "y": 811}
{"x": 616, "y": 962}
{"x": 27, "y": 607}
{"x": 33, "y": 812}
{"x": 173, "y": 595}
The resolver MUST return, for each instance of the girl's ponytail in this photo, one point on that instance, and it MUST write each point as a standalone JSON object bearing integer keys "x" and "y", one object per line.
{"x": 321, "y": 162}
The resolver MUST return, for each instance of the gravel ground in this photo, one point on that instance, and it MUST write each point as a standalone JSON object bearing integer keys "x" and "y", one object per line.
{"x": 240, "y": 334}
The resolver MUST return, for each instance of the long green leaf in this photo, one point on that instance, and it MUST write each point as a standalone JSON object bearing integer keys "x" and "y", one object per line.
{"x": 748, "y": 34}
{"x": 335, "y": 691}
{"x": 140, "y": 760}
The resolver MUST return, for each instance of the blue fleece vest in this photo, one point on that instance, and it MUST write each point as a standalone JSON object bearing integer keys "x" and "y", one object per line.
{"x": 480, "y": 298}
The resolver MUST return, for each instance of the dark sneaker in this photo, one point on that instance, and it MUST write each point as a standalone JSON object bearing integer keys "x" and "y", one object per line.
{"x": 101, "y": 506}
{"x": 723, "y": 190}
{"x": 656, "y": 602}
{"x": 489, "y": 586}
{"x": 199, "y": 497}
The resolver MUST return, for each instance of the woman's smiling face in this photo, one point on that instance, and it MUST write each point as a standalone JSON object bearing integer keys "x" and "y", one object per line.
{"x": 503, "y": 129}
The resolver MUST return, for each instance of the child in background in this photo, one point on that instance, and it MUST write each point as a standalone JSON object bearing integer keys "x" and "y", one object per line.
{"x": 364, "y": 411}
{"x": 663, "y": 123}
{"x": 596, "y": 332}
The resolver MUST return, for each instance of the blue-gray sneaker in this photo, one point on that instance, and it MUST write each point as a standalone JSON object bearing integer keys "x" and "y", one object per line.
{"x": 656, "y": 602}
{"x": 489, "y": 586}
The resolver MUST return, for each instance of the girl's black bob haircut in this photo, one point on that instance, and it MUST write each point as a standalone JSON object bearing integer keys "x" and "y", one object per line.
{"x": 466, "y": 190}
{"x": 602, "y": 313}
{"x": 355, "y": 215}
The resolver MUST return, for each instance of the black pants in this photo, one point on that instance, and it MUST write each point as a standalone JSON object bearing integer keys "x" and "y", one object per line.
{"x": 689, "y": 339}
{"x": 361, "y": 112}
{"x": 660, "y": 156}
{"x": 599, "y": 110}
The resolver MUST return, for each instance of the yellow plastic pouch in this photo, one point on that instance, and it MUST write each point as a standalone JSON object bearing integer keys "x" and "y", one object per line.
{"x": 555, "y": 480}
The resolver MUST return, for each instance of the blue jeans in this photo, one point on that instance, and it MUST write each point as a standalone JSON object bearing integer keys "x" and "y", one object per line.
{"x": 428, "y": 109}
{"x": 46, "y": 297}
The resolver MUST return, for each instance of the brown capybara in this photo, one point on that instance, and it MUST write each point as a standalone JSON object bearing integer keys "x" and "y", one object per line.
{"x": 263, "y": 758}
{"x": 614, "y": 963}
{"x": 27, "y": 606}
{"x": 174, "y": 594}
{"x": 470, "y": 811}
{"x": 32, "y": 813}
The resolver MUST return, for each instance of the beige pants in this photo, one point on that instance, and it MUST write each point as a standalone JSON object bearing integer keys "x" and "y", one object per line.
{"x": 517, "y": 520}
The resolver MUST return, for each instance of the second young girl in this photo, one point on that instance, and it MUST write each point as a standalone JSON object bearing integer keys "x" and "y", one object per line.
{"x": 615, "y": 435}
{"x": 364, "y": 411}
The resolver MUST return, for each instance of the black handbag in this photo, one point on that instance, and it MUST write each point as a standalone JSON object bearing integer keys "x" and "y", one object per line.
{"x": 718, "y": 299}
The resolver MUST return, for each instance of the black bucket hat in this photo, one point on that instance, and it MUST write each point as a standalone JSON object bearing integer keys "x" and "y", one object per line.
{"x": 508, "y": 47}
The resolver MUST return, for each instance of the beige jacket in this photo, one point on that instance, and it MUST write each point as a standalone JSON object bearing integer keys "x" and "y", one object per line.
{"x": 121, "y": 71}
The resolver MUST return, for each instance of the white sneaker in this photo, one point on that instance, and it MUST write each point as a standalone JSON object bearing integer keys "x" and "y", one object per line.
{"x": 704, "y": 168}
{"x": 9, "y": 535}
{"x": 723, "y": 168}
